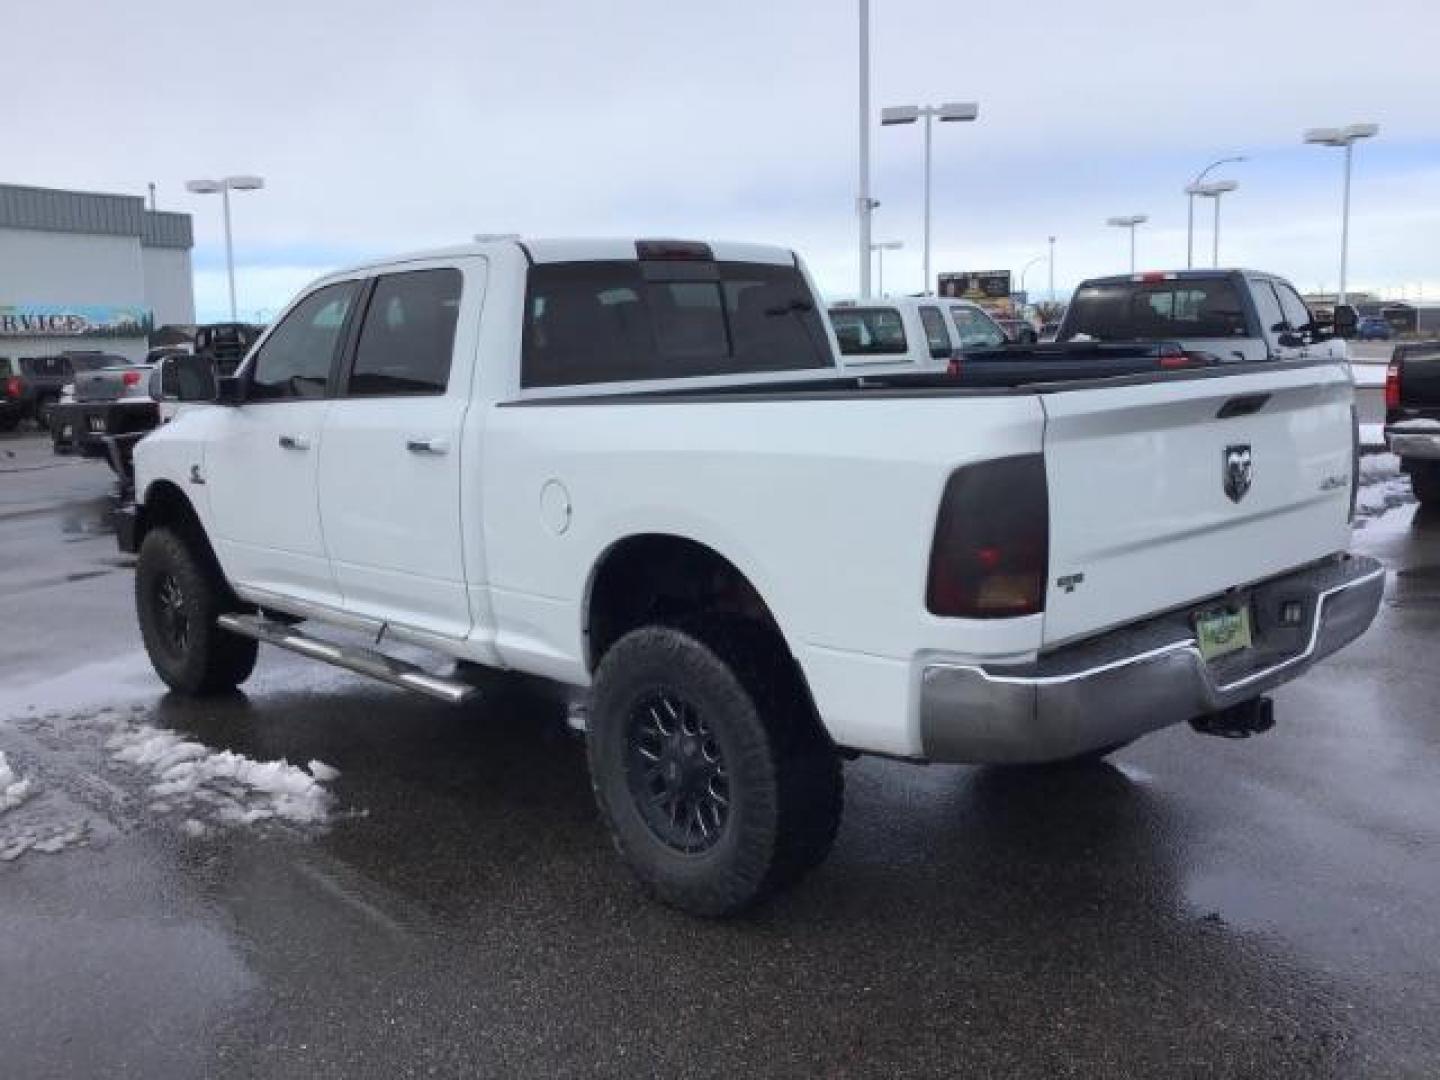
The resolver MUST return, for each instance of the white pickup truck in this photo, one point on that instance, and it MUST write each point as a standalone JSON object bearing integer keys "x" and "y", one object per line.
{"x": 634, "y": 467}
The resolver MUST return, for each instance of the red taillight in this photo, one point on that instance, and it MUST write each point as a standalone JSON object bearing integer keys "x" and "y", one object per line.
{"x": 130, "y": 378}
{"x": 953, "y": 367}
{"x": 12, "y": 387}
{"x": 1172, "y": 357}
{"x": 991, "y": 552}
{"x": 1392, "y": 386}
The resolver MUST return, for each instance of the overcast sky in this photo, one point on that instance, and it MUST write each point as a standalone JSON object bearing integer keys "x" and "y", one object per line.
{"x": 382, "y": 127}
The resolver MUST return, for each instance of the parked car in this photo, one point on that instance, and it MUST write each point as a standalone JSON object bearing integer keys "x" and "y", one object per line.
{"x": 1233, "y": 315}
{"x": 910, "y": 333}
{"x": 33, "y": 384}
{"x": 636, "y": 468}
{"x": 12, "y": 390}
{"x": 226, "y": 343}
{"x": 1412, "y": 415}
{"x": 105, "y": 412}
{"x": 1020, "y": 331}
{"x": 1373, "y": 328}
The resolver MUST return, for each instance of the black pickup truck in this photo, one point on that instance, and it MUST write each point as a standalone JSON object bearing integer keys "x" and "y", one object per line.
{"x": 1412, "y": 415}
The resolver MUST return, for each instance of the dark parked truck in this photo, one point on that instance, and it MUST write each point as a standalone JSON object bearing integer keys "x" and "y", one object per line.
{"x": 1237, "y": 316}
{"x": 1412, "y": 415}
{"x": 31, "y": 386}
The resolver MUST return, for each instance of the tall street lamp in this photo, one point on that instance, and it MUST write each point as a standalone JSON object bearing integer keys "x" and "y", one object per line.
{"x": 864, "y": 204}
{"x": 1024, "y": 269}
{"x": 1345, "y": 137}
{"x": 952, "y": 112}
{"x": 880, "y": 247}
{"x": 1213, "y": 190}
{"x": 1190, "y": 208}
{"x": 1052, "y": 270}
{"x": 1129, "y": 222}
{"x": 224, "y": 187}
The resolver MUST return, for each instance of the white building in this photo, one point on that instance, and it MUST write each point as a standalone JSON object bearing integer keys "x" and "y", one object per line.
{"x": 82, "y": 270}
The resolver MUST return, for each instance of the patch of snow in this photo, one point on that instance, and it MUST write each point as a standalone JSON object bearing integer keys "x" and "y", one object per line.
{"x": 14, "y": 789}
{"x": 322, "y": 772}
{"x": 1383, "y": 486}
{"x": 1372, "y": 374}
{"x": 1372, "y": 437}
{"x": 222, "y": 787}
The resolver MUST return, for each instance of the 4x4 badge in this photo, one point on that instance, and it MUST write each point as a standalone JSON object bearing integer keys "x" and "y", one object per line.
{"x": 1236, "y": 470}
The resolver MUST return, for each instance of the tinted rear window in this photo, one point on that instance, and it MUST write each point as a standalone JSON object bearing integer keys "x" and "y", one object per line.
{"x": 877, "y": 331}
{"x": 595, "y": 322}
{"x": 1129, "y": 311}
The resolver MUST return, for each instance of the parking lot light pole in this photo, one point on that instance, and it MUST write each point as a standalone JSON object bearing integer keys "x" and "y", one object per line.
{"x": 864, "y": 204}
{"x": 880, "y": 247}
{"x": 1190, "y": 208}
{"x": 1213, "y": 190}
{"x": 1024, "y": 269}
{"x": 952, "y": 112}
{"x": 1051, "y": 268}
{"x": 1345, "y": 137}
{"x": 1129, "y": 221}
{"x": 224, "y": 187}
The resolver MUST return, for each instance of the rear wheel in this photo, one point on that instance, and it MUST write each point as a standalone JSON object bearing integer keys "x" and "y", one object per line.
{"x": 709, "y": 766}
{"x": 179, "y": 593}
{"x": 1425, "y": 481}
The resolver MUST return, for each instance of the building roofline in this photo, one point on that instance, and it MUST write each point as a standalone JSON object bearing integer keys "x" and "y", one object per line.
{"x": 92, "y": 213}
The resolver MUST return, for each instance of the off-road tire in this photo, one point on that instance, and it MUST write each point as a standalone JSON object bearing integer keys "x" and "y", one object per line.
{"x": 175, "y": 579}
{"x": 783, "y": 775}
{"x": 1425, "y": 482}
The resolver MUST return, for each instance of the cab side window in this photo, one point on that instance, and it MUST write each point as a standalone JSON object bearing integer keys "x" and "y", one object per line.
{"x": 936, "y": 336}
{"x": 1267, "y": 307}
{"x": 1296, "y": 313}
{"x": 976, "y": 329}
{"x": 295, "y": 360}
{"x": 408, "y": 336}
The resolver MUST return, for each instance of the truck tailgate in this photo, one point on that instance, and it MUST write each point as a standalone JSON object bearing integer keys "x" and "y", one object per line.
{"x": 1419, "y": 375}
{"x": 1166, "y": 493}
{"x": 106, "y": 384}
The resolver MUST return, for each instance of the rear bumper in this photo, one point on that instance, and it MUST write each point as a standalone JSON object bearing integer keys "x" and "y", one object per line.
{"x": 1414, "y": 439}
{"x": 1140, "y": 678}
{"x": 84, "y": 425}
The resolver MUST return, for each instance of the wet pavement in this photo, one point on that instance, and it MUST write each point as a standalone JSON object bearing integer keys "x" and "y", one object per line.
{"x": 1201, "y": 908}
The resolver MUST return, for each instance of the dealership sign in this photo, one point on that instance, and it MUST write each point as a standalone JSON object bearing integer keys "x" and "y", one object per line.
{"x": 73, "y": 320}
{"x": 977, "y": 285}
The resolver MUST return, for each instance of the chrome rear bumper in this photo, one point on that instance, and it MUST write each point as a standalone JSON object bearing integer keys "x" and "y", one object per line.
{"x": 1140, "y": 678}
{"x": 1414, "y": 439}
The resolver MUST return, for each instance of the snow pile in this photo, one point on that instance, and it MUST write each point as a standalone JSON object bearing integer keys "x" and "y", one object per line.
{"x": 13, "y": 789}
{"x": 1382, "y": 486}
{"x": 209, "y": 787}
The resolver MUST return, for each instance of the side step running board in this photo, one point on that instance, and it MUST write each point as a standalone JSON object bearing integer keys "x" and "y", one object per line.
{"x": 363, "y": 661}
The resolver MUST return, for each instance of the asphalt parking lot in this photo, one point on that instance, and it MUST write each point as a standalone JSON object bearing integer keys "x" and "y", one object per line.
{"x": 1200, "y": 908}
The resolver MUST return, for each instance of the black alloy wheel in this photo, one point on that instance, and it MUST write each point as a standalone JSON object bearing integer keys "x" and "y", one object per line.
{"x": 676, "y": 773}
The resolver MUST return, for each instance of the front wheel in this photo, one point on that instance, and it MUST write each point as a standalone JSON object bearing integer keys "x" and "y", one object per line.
{"x": 179, "y": 593}
{"x": 1425, "y": 481}
{"x": 709, "y": 766}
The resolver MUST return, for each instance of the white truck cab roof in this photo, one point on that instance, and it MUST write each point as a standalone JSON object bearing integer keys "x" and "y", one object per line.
{"x": 910, "y": 332}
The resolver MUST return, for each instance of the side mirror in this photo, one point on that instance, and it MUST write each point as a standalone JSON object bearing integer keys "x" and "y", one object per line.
{"x": 230, "y": 390}
{"x": 1291, "y": 340}
{"x": 187, "y": 378}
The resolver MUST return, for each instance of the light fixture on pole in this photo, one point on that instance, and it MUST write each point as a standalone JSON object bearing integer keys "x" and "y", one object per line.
{"x": 1024, "y": 269}
{"x": 953, "y": 112}
{"x": 1345, "y": 137}
{"x": 224, "y": 187}
{"x": 1129, "y": 222}
{"x": 880, "y": 247}
{"x": 1190, "y": 201}
{"x": 1213, "y": 190}
{"x": 1052, "y": 269}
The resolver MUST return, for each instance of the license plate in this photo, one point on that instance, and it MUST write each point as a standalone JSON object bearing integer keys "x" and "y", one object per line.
{"x": 97, "y": 424}
{"x": 1221, "y": 631}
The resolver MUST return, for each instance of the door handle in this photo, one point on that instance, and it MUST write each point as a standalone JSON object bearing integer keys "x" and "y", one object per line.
{"x": 428, "y": 446}
{"x": 294, "y": 442}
